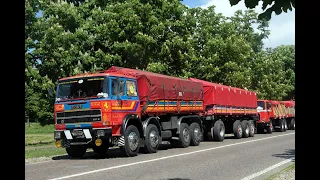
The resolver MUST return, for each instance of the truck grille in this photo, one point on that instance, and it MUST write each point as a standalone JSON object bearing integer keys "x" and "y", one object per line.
{"x": 78, "y": 116}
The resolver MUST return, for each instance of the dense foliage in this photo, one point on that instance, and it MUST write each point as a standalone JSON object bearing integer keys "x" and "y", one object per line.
{"x": 162, "y": 36}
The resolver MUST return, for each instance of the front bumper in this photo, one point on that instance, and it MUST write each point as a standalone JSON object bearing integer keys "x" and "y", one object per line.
{"x": 82, "y": 136}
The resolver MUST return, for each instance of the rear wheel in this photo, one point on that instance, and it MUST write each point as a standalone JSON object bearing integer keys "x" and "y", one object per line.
{"x": 245, "y": 128}
{"x": 132, "y": 139}
{"x": 285, "y": 125}
{"x": 293, "y": 124}
{"x": 76, "y": 151}
{"x": 152, "y": 139}
{"x": 237, "y": 129}
{"x": 252, "y": 129}
{"x": 195, "y": 133}
{"x": 184, "y": 136}
{"x": 218, "y": 131}
{"x": 282, "y": 126}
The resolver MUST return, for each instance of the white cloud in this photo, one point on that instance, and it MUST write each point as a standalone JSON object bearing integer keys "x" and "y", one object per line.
{"x": 282, "y": 27}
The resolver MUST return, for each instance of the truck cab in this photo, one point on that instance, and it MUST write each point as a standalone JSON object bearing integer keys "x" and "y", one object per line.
{"x": 264, "y": 109}
{"x": 89, "y": 111}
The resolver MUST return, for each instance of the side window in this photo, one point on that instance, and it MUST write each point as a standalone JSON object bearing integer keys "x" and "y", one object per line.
{"x": 131, "y": 88}
{"x": 114, "y": 86}
{"x": 121, "y": 88}
{"x": 268, "y": 105}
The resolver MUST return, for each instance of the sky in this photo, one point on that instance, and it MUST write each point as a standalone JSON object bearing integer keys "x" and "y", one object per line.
{"x": 282, "y": 27}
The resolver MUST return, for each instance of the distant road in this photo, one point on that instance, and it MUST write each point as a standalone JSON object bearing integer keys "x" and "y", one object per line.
{"x": 232, "y": 159}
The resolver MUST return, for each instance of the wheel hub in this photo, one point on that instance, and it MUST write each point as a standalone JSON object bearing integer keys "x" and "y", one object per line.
{"x": 133, "y": 141}
{"x": 240, "y": 129}
{"x": 154, "y": 140}
{"x": 185, "y": 134}
{"x": 197, "y": 134}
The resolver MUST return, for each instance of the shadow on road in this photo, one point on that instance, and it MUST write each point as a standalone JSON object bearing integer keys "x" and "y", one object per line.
{"x": 112, "y": 153}
{"x": 289, "y": 153}
{"x": 176, "y": 179}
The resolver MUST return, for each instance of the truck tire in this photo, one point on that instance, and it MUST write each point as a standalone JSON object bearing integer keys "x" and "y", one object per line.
{"x": 184, "y": 136}
{"x": 292, "y": 124}
{"x": 252, "y": 129}
{"x": 285, "y": 125}
{"x": 152, "y": 139}
{"x": 76, "y": 151}
{"x": 195, "y": 133}
{"x": 132, "y": 139}
{"x": 282, "y": 127}
{"x": 269, "y": 129}
{"x": 245, "y": 128}
{"x": 218, "y": 131}
{"x": 102, "y": 150}
{"x": 237, "y": 129}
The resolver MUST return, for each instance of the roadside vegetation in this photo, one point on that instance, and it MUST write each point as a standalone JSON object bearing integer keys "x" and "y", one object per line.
{"x": 39, "y": 141}
{"x": 287, "y": 173}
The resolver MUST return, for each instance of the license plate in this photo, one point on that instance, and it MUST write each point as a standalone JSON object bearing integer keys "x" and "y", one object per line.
{"x": 77, "y": 132}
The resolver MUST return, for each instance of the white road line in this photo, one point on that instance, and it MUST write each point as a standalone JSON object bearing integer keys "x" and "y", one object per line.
{"x": 167, "y": 157}
{"x": 267, "y": 169}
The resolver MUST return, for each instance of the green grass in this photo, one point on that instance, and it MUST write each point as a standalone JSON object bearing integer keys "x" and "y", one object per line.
{"x": 289, "y": 168}
{"x": 36, "y": 128}
{"x": 38, "y": 139}
{"x": 44, "y": 152}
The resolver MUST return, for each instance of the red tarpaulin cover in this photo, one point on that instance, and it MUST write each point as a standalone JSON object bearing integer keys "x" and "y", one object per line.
{"x": 289, "y": 103}
{"x": 162, "y": 87}
{"x": 217, "y": 94}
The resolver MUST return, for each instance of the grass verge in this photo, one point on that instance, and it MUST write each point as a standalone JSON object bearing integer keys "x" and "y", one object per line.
{"x": 274, "y": 176}
{"x": 44, "y": 152}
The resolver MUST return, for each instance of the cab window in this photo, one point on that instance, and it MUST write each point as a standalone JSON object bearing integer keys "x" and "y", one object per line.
{"x": 131, "y": 88}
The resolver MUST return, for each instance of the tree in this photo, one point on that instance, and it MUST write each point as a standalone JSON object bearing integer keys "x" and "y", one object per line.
{"x": 278, "y": 6}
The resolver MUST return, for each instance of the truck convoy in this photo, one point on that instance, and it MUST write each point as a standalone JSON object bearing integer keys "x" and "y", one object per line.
{"x": 137, "y": 110}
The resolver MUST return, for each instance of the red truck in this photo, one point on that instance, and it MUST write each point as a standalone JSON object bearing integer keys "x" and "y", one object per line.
{"x": 126, "y": 108}
{"x": 135, "y": 109}
{"x": 275, "y": 115}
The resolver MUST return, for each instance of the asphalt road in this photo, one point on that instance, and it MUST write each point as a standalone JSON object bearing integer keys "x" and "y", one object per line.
{"x": 251, "y": 158}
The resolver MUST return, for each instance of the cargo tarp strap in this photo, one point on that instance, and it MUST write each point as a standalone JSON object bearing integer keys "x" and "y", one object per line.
{"x": 164, "y": 99}
{"x": 148, "y": 97}
{"x": 192, "y": 98}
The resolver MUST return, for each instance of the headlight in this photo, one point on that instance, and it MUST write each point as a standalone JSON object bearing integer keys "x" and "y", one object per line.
{"x": 57, "y": 135}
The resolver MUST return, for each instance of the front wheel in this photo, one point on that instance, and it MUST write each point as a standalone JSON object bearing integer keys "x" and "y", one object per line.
{"x": 102, "y": 150}
{"x": 270, "y": 129}
{"x": 132, "y": 139}
{"x": 76, "y": 151}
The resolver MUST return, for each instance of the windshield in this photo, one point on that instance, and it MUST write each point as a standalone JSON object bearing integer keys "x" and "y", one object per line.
{"x": 81, "y": 88}
{"x": 261, "y": 104}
